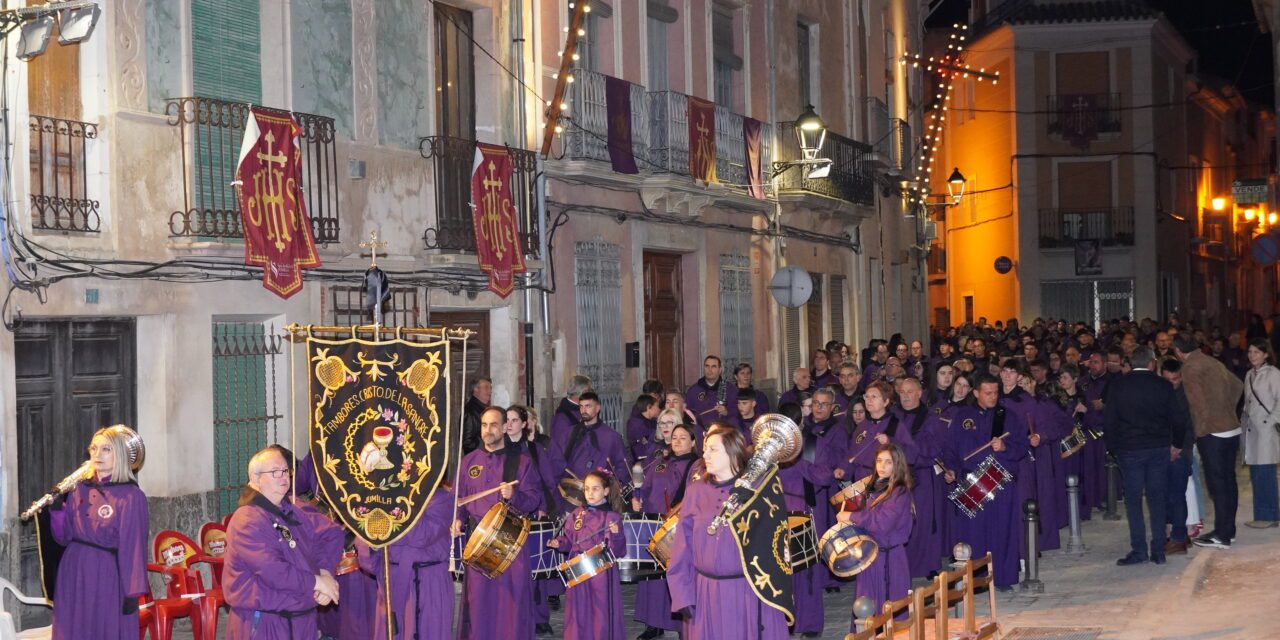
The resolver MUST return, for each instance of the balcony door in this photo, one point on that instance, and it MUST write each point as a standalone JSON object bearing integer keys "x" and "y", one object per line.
{"x": 455, "y": 73}
{"x": 663, "y": 309}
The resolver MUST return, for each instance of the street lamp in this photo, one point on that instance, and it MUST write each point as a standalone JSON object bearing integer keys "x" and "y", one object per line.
{"x": 955, "y": 186}
{"x": 811, "y": 133}
{"x": 1249, "y": 214}
{"x": 1219, "y": 203}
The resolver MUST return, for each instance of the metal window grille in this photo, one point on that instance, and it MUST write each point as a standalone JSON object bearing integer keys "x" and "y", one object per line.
{"x": 836, "y": 287}
{"x": 60, "y": 175}
{"x": 598, "y": 283}
{"x": 347, "y": 307}
{"x": 814, "y": 319}
{"x": 246, "y": 417}
{"x": 1091, "y": 300}
{"x": 737, "y": 337}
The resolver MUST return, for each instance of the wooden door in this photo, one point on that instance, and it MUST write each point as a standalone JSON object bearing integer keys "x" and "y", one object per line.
{"x": 663, "y": 337}
{"x": 72, "y": 378}
{"x": 477, "y": 361}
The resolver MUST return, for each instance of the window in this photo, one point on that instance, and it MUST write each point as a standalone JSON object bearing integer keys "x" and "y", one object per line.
{"x": 455, "y": 73}
{"x": 803, "y": 52}
{"x": 659, "y": 78}
{"x": 246, "y": 416}
{"x": 726, "y": 62}
{"x": 736, "y": 335}
{"x": 968, "y": 308}
{"x": 836, "y": 287}
{"x": 347, "y": 307}
{"x": 792, "y": 356}
{"x": 587, "y": 44}
{"x": 597, "y": 276}
{"x": 1093, "y": 301}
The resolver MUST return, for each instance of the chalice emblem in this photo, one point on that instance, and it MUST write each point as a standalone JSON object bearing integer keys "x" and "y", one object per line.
{"x": 373, "y": 457}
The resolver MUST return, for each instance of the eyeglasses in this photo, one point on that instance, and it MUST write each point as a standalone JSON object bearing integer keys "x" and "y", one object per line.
{"x": 276, "y": 473}
{"x": 822, "y": 404}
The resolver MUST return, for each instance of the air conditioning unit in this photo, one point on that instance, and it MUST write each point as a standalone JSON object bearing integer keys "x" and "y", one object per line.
{"x": 930, "y": 231}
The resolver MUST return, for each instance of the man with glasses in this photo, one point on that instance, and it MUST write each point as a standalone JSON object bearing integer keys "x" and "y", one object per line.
{"x": 850, "y": 391}
{"x": 280, "y": 557}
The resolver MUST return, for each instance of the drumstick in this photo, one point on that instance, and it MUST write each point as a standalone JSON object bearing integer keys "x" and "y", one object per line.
{"x": 864, "y": 448}
{"x": 710, "y": 410}
{"x": 476, "y": 496}
{"x": 984, "y": 447}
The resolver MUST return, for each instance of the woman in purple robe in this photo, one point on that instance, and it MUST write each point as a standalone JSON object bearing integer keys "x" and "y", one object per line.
{"x": 880, "y": 428}
{"x": 707, "y": 582}
{"x": 887, "y": 514}
{"x": 664, "y": 488}
{"x": 1051, "y": 425}
{"x": 103, "y": 525}
{"x": 521, "y": 433}
{"x": 744, "y": 386}
{"x": 1077, "y": 405}
{"x": 957, "y": 398}
{"x": 421, "y": 587}
{"x": 593, "y": 608}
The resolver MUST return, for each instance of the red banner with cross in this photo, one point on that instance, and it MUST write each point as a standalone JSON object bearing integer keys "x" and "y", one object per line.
{"x": 493, "y": 211}
{"x": 702, "y": 140}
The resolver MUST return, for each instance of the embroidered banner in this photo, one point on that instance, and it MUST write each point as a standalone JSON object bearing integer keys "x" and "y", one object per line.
{"x": 763, "y": 534}
{"x": 493, "y": 212}
{"x": 617, "y": 100}
{"x": 1079, "y": 115}
{"x": 277, "y": 231}
{"x": 751, "y": 138}
{"x": 377, "y": 438}
{"x": 702, "y": 140}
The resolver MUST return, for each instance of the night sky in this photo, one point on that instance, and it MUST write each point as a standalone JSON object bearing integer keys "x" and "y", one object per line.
{"x": 1225, "y": 34}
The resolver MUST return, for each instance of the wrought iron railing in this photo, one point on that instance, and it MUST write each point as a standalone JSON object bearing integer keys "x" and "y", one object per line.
{"x": 212, "y": 132}
{"x": 59, "y": 175}
{"x": 588, "y": 137}
{"x": 669, "y": 139}
{"x": 1081, "y": 115}
{"x": 1062, "y": 227}
{"x": 451, "y": 160}
{"x": 850, "y": 179}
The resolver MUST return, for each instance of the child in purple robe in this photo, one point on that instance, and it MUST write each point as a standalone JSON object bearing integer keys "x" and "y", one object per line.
{"x": 421, "y": 587}
{"x": 593, "y": 608}
{"x": 887, "y": 515}
{"x": 641, "y": 427}
{"x": 103, "y": 525}
{"x": 664, "y": 488}
{"x": 707, "y": 582}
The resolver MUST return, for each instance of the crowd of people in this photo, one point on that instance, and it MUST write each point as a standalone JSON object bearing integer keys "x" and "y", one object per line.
{"x": 891, "y": 434}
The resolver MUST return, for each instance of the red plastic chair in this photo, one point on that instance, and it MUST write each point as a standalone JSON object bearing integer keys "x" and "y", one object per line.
{"x": 174, "y": 554}
{"x": 213, "y": 543}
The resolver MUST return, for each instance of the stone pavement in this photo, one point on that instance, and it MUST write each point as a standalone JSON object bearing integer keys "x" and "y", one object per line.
{"x": 1206, "y": 594}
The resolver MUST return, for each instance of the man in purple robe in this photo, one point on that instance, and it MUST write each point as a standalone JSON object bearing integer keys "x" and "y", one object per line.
{"x": 801, "y": 482}
{"x": 925, "y": 547}
{"x": 591, "y": 443}
{"x": 641, "y": 427}
{"x": 707, "y": 398}
{"x": 500, "y": 607}
{"x": 743, "y": 383}
{"x": 995, "y": 527}
{"x": 280, "y": 558}
{"x": 849, "y": 391}
{"x": 821, "y": 374}
{"x": 421, "y": 588}
{"x": 1015, "y": 400}
{"x": 800, "y": 383}
{"x": 744, "y": 414}
{"x": 825, "y": 443}
{"x": 1093, "y": 386}
{"x": 568, "y": 414}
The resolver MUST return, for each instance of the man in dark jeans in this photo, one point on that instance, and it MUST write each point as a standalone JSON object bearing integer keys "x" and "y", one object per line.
{"x": 1179, "y": 468}
{"x": 1144, "y": 429}
{"x": 1212, "y": 394}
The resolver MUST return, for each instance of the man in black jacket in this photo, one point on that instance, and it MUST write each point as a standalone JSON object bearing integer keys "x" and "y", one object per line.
{"x": 1145, "y": 429}
{"x": 481, "y": 397}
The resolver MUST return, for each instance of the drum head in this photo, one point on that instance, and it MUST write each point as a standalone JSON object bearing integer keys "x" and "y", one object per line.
{"x": 848, "y": 550}
{"x": 571, "y": 491}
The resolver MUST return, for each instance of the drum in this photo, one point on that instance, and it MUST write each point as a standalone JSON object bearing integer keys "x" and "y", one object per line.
{"x": 848, "y": 549}
{"x": 660, "y": 543}
{"x": 497, "y": 540}
{"x": 455, "y": 554}
{"x": 980, "y": 487}
{"x": 803, "y": 540}
{"x": 1073, "y": 442}
{"x": 586, "y": 565}
{"x": 638, "y": 564}
{"x": 571, "y": 491}
{"x": 543, "y": 560}
{"x": 848, "y": 491}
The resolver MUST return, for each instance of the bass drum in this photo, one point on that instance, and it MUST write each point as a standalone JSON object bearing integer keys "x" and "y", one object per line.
{"x": 638, "y": 564}
{"x": 543, "y": 560}
{"x": 660, "y": 543}
{"x": 848, "y": 549}
{"x": 497, "y": 540}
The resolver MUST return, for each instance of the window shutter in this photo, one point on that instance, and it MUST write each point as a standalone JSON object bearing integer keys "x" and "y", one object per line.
{"x": 837, "y": 307}
{"x": 791, "y": 331}
{"x": 226, "y": 60}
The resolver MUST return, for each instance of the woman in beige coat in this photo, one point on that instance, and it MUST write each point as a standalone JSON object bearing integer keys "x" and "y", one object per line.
{"x": 1261, "y": 423}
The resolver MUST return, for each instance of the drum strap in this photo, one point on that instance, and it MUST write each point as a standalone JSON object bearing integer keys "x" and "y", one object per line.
{"x": 917, "y": 420}
{"x": 997, "y": 424}
{"x": 892, "y": 427}
{"x": 511, "y": 463}
{"x": 679, "y": 494}
{"x": 575, "y": 438}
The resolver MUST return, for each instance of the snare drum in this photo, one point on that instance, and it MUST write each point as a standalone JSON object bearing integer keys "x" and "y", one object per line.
{"x": 848, "y": 549}
{"x": 497, "y": 540}
{"x": 803, "y": 540}
{"x": 1073, "y": 442}
{"x": 543, "y": 560}
{"x": 848, "y": 491}
{"x": 660, "y": 543}
{"x": 586, "y": 565}
{"x": 980, "y": 487}
{"x": 638, "y": 564}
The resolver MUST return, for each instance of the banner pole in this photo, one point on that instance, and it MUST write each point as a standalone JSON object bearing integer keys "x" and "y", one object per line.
{"x": 293, "y": 421}
{"x": 386, "y": 580}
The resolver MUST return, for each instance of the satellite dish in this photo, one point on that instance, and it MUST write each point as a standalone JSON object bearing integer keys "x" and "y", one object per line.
{"x": 791, "y": 286}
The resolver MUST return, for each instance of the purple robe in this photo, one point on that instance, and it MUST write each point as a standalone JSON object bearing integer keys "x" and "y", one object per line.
{"x": 421, "y": 587}
{"x": 826, "y": 379}
{"x": 706, "y": 573}
{"x": 889, "y": 523}
{"x": 641, "y": 437}
{"x": 593, "y": 609}
{"x": 1052, "y": 425}
{"x": 567, "y": 415}
{"x": 265, "y": 578}
{"x": 950, "y": 523}
{"x": 742, "y": 424}
{"x": 598, "y": 447}
{"x": 861, "y": 459}
{"x": 357, "y": 592}
{"x": 806, "y": 583}
{"x": 701, "y": 400}
{"x": 844, "y": 401}
{"x": 92, "y": 581}
{"x": 661, "y": 492}
{"x": 1024, "y": 405}
{"x": 510, "y": 593}
{"x": 1093, "y": 458}
{"x": 792, "y": 395}
{"x": 926, "y": 546}
{"x": 762, "y": 401}
{"x": 996, "y": 527}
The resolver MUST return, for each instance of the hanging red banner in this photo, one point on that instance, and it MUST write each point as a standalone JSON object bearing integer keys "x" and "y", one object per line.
{"x": 493, "y": 211}
{"x": 702, "y": 140}
{"x": 273, "y": 215}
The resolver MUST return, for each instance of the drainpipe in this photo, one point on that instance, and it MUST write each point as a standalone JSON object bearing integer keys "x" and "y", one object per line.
{"x": 517, "y": 60}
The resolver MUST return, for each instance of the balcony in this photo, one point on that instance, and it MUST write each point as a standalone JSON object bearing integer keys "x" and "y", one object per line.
{"x": 59, "y": 175}
{"x": 590, "y": 139}
{"x": 851, "y": 178}
{"x": 451, "y": 159}
{"x": 669, "y": 140}
{"x": 1082, "y": 116}
{"x": 212, "y": 132}
{"x": 1062, "y": 227}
